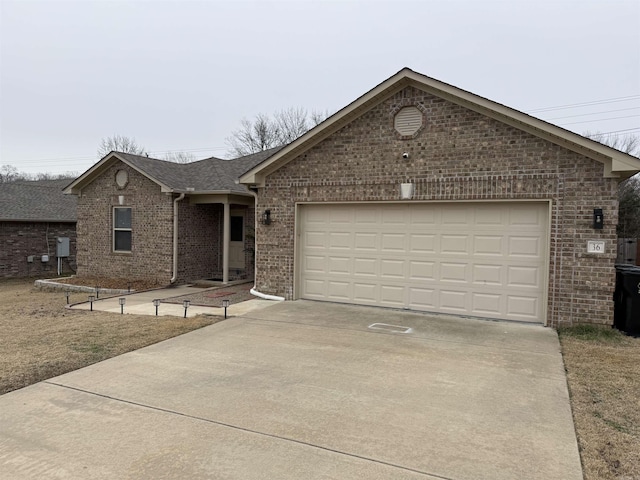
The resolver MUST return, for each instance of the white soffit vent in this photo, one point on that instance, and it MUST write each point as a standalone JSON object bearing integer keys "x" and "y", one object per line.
{"x": 408, "y": 121}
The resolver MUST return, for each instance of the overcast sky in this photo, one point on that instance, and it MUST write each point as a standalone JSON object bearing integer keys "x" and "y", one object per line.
{"x": 181, "y": 75}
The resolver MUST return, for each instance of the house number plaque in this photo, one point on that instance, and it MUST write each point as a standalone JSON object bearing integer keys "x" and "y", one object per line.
{"x": 595, "y": 246}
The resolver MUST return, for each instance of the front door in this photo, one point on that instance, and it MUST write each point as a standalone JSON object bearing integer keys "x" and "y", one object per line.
{"x": 236, "y": 243}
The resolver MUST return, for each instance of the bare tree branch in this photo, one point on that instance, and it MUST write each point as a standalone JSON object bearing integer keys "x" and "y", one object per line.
{"x": 266, "y": 132}
{"x": 180, "y": 157}
{"x": 120, "y": 143}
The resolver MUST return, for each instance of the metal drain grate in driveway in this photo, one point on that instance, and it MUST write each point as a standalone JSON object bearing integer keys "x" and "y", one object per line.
{"x": 390, "y": 328}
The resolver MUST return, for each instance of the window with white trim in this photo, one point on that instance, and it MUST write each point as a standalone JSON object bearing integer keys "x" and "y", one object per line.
{"x": 122, "y": 229}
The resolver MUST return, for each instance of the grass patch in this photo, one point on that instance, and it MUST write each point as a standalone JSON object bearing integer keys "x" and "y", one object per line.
{"x": 592, "y": 333}
{"x": 41, "y": 338}
{"x": 603, "y": 374}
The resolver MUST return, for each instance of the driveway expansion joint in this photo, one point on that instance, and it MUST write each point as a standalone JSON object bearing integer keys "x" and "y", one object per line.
{"x": 248, "y": 430}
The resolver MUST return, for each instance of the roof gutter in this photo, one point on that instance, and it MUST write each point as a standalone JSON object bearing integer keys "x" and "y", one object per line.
{"x": 175, "y": 238}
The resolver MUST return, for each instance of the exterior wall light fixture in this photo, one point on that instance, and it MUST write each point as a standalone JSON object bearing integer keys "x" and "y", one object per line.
{"x": 598, "y": 219}
{"x": 266, "y": 218}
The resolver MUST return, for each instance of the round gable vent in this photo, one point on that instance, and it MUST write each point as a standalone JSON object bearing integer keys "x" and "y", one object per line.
{"x": 122, "y": 178}
{"x": 408, "y": 121}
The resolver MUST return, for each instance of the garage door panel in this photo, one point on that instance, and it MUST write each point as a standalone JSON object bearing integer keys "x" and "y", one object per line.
{"x": 393, "y": 242}
{"x": 314, "y": 289}
{"x": 456, "y": 215}
{"x": 425, "y": 217}
{"x": 453, "y": 272}
{"x": 422, "y": 270}
{"x": 453, "y": 301}
{"x": 454, "y": 244}
{"x": 340, "y": 240}
{"x": 423, "y": 298}
{"x": 486, "y": 303}
{"x": 529, "y": 246}
{"x": 366, "y": 241}
{"x": 314, "y": 239}
{"x": 390, "y": 268}
{"x": 423, "y": 243}
{"x": 366, "y": 293}
{"x": 365, "y": 267}
{"x": 491, "y": 245}
{"x": 522, "y": 276}
{"x": 339, "y": 265}
{"x": 489, "y": 217}
{"x": 394, "y": 215}
{"x": 523, "y": 308}
{"x": 315, "y": 264}
{"x": 339, "y": 291}
{"x": 392, "y": 295}
{"x": 481, "y": 259}
{"x": 487, "y": 274}
{"x": 527, "y": 217}
{"x": 365, "y": 217}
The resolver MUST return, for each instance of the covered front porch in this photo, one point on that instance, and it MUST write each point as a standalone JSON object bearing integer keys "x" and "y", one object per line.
{"x": 216, "y": 238}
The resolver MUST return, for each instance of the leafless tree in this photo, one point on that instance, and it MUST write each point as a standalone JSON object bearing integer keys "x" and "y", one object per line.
{"x": 8, "y": 173}
{"x": 625, "y": 143}
{"x": 120, "y": 143}
{"x": 266, "y": 132}
{"x": 180, "y": 157}
{"x": 629, "y": 208}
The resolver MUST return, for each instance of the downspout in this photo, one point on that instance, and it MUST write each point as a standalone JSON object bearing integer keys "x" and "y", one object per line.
{"x": 175, "y": 238}
{"x": 254, "y": 291}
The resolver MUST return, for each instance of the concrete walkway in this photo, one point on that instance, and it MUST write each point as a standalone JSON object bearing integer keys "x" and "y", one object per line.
{"x": 306, "y": 390}
{"x": 142, "y": 304}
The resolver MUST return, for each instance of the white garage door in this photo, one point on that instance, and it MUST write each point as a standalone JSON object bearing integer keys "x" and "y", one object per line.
{"x": 480, "y": 259}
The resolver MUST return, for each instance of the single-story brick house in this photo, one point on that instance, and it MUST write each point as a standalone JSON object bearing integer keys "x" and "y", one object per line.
{"x": 36, "y": 222}
{"x": 418, "y": 195}
{"x": 147, "y": 219}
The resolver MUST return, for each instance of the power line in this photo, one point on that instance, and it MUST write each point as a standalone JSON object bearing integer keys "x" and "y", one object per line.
{"x": 595, "y": 113}
{"x": 600, "y": 120}
{"x": 586, "y": 104}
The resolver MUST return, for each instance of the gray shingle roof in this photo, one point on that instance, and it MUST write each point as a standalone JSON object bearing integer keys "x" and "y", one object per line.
{"x": 37, "y": 201}
{"x": 208, "y": 175}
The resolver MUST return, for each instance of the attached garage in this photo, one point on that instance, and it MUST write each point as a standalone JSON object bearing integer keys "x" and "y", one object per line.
{"x": 420, "y": 195}
{"x": 485, "y": 259}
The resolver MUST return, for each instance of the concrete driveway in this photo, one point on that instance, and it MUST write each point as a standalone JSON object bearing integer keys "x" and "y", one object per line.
{"x": 305, "y": 390}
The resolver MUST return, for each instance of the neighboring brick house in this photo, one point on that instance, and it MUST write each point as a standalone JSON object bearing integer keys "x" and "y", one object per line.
{"x": 422, "y": 196}
{"x": 33, "y": 216}
{"x": 147, "y": 219}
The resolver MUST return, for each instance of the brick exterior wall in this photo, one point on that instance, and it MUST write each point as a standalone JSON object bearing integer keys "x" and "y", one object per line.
{"x": 199, "y": 254}
{"x": 152, "y": 226}
{"x": 151, "y": 258}
{"x": 22, "y": 239}
{"x": 458, "y": 155}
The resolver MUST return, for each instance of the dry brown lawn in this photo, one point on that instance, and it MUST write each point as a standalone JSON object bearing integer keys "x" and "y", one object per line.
{"x": 603, "y": 372}
{"x": 40, "y": 338}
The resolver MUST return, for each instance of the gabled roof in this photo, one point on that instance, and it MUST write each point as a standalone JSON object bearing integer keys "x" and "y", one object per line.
{"x": 617, "y": 164}
{"x": 208, "y": 176}
{"x": 36, "y": 201}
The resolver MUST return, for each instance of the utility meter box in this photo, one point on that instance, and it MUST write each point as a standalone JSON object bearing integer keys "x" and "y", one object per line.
{"x": 62, "y": 249}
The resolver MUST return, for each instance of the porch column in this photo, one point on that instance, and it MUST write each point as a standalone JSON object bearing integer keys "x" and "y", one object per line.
{"x": 226, "y": 238}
